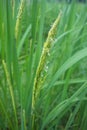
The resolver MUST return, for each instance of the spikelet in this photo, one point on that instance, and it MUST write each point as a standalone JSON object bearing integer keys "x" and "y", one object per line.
{"x": 19, "y": 17}
{"x": 10, "y": 88}
{"x": 45, "y": 53}
{"x": 9, "y": 84}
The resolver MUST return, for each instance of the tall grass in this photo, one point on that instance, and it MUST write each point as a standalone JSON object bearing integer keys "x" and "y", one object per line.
{"x": 38, "y": 93}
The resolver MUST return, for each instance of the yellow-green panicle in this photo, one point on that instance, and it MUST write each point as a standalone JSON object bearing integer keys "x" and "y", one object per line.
{"x": 19, "y": 17}
{"x": 45, "y": 53}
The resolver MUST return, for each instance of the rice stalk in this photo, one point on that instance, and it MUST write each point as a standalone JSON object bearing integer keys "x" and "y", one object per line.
{"x": 13, "y": 7}
{"x": 24, "y": 118}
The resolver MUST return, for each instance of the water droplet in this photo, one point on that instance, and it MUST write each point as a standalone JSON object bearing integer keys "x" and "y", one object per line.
{"x": 41, "y": 74}
{"x": 46, "y": 68}
{"x": 51, "y": 40}
{"x": 48, "y": 54}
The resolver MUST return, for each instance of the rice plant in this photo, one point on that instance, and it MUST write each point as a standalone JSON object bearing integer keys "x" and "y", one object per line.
{"x": 43, "y": 70}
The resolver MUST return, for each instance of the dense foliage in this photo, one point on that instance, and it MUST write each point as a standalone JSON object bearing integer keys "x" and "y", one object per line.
{"x": 43, "y": 70}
